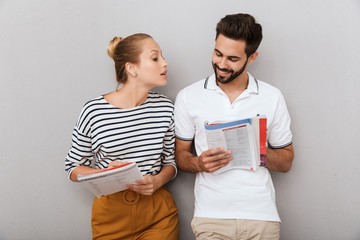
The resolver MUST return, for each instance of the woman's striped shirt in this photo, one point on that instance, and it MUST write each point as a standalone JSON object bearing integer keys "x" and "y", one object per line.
{"x": 143, "y": 134}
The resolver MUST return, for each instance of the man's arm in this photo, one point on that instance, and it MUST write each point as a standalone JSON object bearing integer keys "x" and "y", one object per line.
{"x": 209, "y": 161}
{"x": 280, "y": 159}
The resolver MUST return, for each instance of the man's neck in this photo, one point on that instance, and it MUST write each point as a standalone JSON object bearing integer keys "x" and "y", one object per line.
{"x": 234, "y": 88}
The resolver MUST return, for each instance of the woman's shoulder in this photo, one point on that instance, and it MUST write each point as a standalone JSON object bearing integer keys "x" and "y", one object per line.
{"x": 159, "y": 98}
{"x": 89, "y": 109}
{"x": 94, "y": 102}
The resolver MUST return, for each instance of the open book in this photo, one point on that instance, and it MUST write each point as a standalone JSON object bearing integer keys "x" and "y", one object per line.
{"x": 112, "y": 180}
{"x": 246, "y": 138}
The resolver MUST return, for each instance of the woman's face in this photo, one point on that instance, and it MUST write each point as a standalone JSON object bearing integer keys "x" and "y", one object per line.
{"x": 151, "y": 69}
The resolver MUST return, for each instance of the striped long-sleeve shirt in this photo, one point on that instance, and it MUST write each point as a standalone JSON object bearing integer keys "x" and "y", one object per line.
{"x": 143, "y": 134}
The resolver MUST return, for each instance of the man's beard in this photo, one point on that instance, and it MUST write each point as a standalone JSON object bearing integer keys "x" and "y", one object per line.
{"x": 233, "y": 75}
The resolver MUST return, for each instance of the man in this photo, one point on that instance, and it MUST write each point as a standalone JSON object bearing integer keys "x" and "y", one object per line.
{"x": 235, "y": 204}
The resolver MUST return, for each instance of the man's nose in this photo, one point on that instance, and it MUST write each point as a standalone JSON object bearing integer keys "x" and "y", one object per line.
{"x": 223, "y": 63}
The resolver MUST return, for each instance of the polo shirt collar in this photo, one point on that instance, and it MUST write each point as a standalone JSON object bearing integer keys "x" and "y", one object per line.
{"x": 253, "y": 86}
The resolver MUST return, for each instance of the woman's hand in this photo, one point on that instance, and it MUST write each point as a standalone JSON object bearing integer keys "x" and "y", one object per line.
{"x": 146, "y": 186}
{"x": 116, "y": 164}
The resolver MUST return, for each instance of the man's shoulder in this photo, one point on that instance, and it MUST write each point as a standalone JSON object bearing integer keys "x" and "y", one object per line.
{"x": 198, "y": 85}
{"x": 193, "y": 89}
{"x": 267, "y": 88}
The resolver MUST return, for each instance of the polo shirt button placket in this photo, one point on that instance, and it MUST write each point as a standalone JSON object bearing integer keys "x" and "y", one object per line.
{"x": 233, "y": 112}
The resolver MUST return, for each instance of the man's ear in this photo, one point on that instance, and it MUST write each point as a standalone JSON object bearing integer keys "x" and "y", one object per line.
{"x": 252, "y": 57}
{"x": 130, "y": 69}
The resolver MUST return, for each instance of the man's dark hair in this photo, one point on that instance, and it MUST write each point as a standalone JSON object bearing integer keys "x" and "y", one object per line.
{"x": 241, "y": 26}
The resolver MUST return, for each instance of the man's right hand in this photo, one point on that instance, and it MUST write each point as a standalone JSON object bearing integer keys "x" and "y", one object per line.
{"x": 209, "y": 161}
{"x": 214, "y": 159}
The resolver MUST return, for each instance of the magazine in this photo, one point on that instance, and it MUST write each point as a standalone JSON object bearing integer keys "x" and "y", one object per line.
{"x": 246, "y": 138}
{"x": 111, "y": 180}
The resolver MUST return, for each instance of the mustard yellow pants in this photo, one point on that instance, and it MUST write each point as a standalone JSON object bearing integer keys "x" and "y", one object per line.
{"x": 130, "y": 215}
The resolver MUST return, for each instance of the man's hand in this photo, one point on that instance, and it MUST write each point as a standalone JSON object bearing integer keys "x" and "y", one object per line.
{"x": 214, "y": 159}
{"x": 209, "y": 160}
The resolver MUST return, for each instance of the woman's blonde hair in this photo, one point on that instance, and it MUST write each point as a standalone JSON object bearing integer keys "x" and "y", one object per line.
{"x": 123, "y": 50}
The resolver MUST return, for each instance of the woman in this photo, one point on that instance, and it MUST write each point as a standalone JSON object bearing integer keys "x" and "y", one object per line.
{"x": 130, "y": 124}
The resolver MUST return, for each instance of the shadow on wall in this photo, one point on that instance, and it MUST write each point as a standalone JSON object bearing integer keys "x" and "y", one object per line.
{"x": 182, "y": 190}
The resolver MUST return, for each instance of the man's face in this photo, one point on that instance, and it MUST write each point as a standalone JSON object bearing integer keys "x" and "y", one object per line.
{"x": 229, "y": 59}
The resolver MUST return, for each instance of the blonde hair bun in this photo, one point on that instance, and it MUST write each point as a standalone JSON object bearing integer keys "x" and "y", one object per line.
{"x": 112, "y": 45}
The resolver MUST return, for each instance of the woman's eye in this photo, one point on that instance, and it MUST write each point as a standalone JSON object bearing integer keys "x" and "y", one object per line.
{"x": 155, "y": 59}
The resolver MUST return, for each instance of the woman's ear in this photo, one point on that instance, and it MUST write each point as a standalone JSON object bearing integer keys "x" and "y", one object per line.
{"x": 130, "y": 69}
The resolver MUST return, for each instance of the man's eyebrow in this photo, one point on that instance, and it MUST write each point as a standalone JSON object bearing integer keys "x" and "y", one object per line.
{"x": 218, "y": 51}
{"x": 232, "y": 57}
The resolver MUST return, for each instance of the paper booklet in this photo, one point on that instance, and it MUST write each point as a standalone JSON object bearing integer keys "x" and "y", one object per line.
{"x": 112, "y": 180}
{"x": 246, "y": 138}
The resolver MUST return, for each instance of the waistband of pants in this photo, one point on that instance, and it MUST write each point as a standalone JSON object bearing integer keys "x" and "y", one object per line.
{"x": 130, "y": 197}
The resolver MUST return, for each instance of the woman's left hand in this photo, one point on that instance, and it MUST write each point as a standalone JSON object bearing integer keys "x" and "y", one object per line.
{"x": 146, "y": 186}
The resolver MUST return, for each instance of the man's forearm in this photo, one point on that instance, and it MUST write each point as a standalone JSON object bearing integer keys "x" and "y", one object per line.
{"x": 280, "y": 159}
{"x": 186, "y": 161}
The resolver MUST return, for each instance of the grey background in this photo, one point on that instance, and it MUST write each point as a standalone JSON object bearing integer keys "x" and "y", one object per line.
{"x": 53, "y": 59}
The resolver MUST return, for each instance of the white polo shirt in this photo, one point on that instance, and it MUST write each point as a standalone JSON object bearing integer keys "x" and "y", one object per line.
{"x": 237, "y": 193}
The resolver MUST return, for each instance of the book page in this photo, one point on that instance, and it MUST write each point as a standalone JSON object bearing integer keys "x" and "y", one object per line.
{"x": 240, "y": 140}
{"x": 216, "y": 139}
